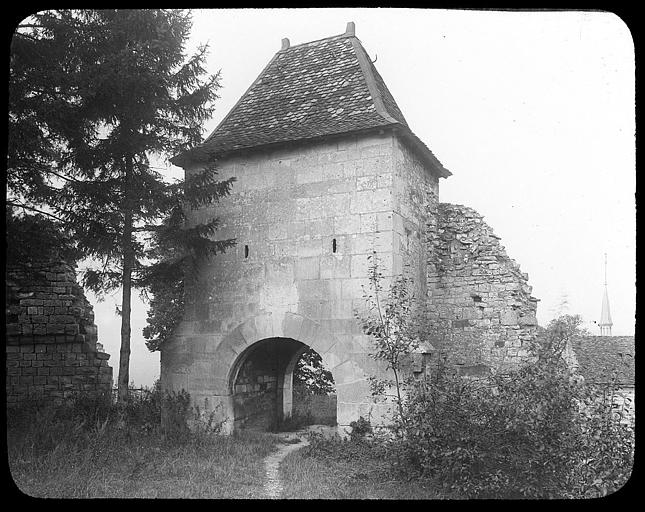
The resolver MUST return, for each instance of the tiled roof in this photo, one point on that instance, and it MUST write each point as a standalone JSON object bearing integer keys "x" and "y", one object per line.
{"x": 316, "y": 89}
{"x": 599, "y": 357}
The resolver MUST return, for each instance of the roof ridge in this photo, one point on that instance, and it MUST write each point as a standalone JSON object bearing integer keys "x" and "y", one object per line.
{"x": 370, "y": 81}
{"x": 338, "y": 36}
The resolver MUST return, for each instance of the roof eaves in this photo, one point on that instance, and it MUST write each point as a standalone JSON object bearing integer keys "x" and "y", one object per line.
{"x": 425, "y": 152}
{"x": 200, "y": 154}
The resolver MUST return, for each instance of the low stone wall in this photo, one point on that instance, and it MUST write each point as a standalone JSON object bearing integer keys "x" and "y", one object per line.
{"x": 51, "y": 339}
{"x": 476, "y": 292}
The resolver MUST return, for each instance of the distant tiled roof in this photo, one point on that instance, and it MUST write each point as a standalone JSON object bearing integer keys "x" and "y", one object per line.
{"x": 599, "y": 357}
{"x": 316, "y": 89}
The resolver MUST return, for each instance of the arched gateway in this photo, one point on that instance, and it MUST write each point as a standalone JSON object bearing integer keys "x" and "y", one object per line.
{"x": 261, "y": 383}
{"x": 211, "y": 375}
{"x": 274, "y": 346}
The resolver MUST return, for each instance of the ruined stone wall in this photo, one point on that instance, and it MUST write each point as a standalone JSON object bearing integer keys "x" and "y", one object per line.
{"x": 51, "y": 343}
{"x": 476, "y": 292}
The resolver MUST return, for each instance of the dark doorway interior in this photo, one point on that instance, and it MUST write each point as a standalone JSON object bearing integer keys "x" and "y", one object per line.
{"x": 266, "y": 396}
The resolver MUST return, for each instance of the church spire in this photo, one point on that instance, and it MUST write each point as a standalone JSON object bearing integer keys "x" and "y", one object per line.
{"x": 605, "y": 314}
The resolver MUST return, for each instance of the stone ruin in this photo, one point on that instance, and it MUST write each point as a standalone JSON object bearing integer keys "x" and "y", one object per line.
{"x": 477, "y": 292}
{"x": 51, "y": 345}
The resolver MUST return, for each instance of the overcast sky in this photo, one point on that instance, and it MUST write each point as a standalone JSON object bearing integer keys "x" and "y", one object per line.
{"x": 533, "y": 113}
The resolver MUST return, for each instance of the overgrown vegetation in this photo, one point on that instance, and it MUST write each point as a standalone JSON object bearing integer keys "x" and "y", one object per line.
{"x": 535, "y": 431}
{"x": 530, "y": 433}
{"x": 90, "y": 447}
{"x": 358, "y": 467}
{"x": 392, "y": 323}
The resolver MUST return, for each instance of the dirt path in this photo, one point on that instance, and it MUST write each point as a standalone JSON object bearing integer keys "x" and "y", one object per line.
{"x": 273, "y": 484}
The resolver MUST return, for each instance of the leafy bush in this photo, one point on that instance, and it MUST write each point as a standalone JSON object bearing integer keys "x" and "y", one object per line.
{"x": 360, "y": 429}
{"x": 532, "y": 432}
{"x": 605, "y": 446}
{"x": 311, "y": 375}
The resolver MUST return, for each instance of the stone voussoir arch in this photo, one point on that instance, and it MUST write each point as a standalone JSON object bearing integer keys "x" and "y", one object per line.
{"x": 350, "y": 380}
{"x": 282, "y": 325}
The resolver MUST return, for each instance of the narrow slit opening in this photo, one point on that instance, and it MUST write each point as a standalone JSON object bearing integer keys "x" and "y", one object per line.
{"x": 246, "y": 251}
{"x": 333, "y": 245}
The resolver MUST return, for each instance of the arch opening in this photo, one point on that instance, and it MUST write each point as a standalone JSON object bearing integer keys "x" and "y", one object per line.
{"x": 280, "y": 384}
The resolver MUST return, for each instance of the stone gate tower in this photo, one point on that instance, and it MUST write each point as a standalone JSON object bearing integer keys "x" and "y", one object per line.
{"x": 328, "y": 172}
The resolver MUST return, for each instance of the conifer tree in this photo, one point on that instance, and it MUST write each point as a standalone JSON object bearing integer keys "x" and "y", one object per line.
{"x": 119, "y": 93}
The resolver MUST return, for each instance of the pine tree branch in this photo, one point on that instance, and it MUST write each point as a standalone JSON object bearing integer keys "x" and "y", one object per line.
{"x": 20, "y": 34}
{"x": 27, "y": 207}
{"x": 71, "y": 180}
{"x": 147, "y": 227}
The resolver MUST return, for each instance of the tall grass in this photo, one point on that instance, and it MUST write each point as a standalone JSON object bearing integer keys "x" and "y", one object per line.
{"x": 347, "y": 469}
{"x": 91, "y": 449}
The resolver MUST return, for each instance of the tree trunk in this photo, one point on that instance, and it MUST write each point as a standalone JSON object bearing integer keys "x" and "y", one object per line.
{"x": 128, "y": 263}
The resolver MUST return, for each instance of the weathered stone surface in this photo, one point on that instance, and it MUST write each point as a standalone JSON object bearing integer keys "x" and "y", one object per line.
{"x": 463, "y": 252}
{"x": 45, "y": 342}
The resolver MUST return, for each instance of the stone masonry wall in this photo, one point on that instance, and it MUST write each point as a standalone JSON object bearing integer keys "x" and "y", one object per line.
{"x": 415, "y": 196}
{"x": 477, "y": 292}
{"x": 306, "y": 218}
{"x": 51, "y": 343}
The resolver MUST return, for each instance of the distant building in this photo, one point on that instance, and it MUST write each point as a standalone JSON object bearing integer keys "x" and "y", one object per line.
{"x": 607, "y": 361}
{"x": 605, "y": 314}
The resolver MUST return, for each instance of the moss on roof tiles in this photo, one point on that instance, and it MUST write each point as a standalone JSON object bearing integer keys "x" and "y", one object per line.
{"x": 601, "y": 357}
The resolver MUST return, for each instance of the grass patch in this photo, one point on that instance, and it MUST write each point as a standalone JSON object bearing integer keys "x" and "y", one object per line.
{"x": 347, "y": 470}
{"x": 147, "y": 467}
{"x": 58, "y": 457}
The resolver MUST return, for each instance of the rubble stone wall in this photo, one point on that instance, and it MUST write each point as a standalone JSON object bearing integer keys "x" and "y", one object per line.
{"x": 51, "y": 338}
{"x": 477, "y": 291}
